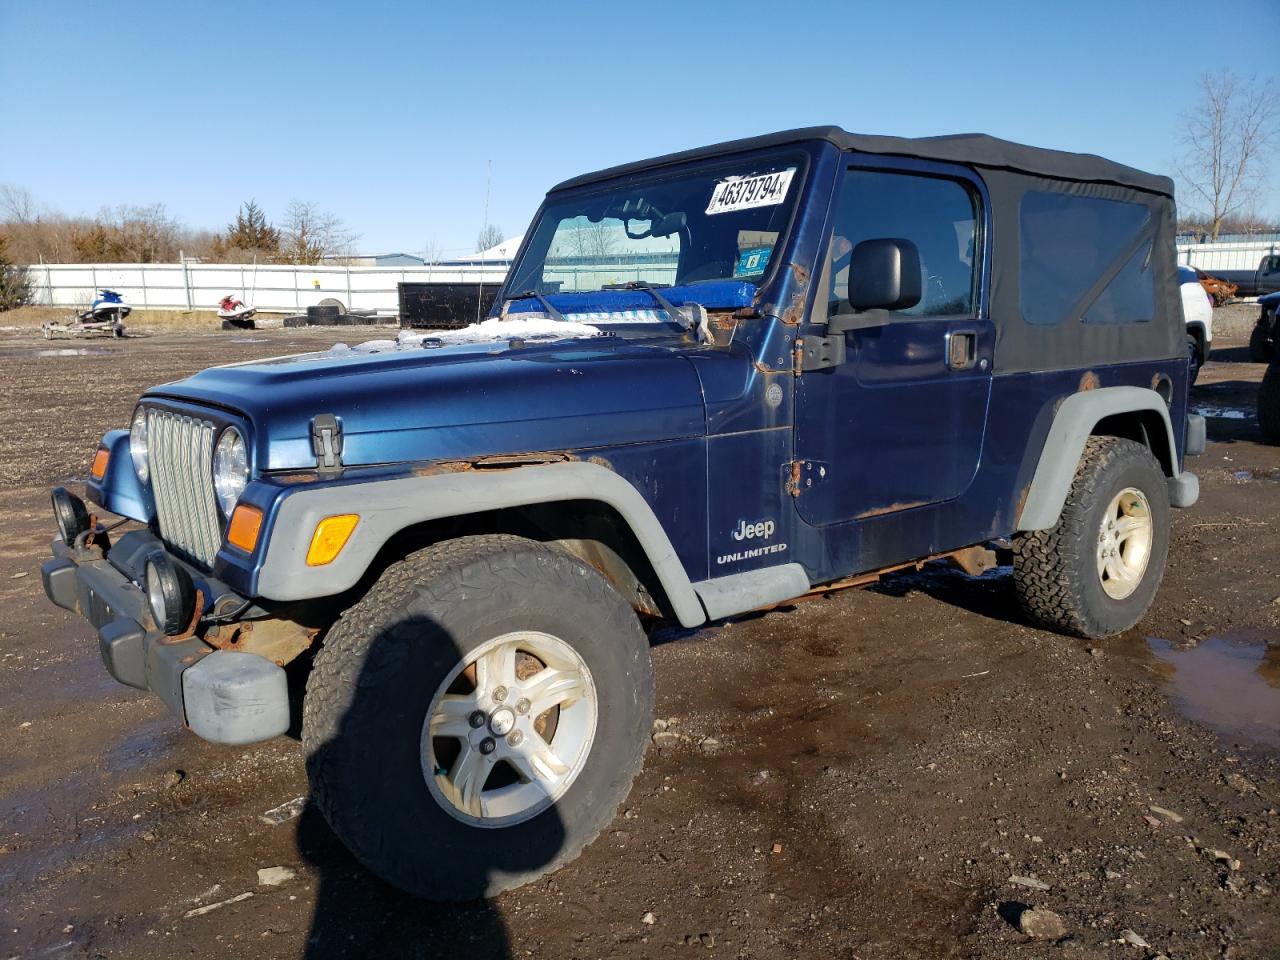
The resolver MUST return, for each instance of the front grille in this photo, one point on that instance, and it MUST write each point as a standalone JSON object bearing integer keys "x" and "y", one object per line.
{"x": 180, "y": 454}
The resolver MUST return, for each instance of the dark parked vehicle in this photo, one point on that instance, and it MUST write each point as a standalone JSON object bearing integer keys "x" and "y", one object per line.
{"x": 789, "y": 364}
{"x": 1269, "y": 403}
{"x": 1254, "y": 283}
{"x": 1262, "y": 341}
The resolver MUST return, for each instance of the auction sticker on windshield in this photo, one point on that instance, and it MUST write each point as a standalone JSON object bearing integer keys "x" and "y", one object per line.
{"x": 747, "y": 193}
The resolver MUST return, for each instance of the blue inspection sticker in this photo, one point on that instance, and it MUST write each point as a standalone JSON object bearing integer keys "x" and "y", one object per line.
{"x": 752, "y": 262}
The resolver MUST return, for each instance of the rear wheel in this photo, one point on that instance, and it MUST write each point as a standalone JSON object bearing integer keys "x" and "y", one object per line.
{"x": 1269, "y": 404}
{"x": 1096, "y": 571}
{"x": 475, "y": 720}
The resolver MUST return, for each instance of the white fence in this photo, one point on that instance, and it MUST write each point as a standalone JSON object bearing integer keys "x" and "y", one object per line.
{"x": 1226, "y": 256}
{"x": 199, "y": 286}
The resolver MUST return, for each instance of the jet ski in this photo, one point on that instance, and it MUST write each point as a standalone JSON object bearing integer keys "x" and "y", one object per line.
{"x": 235, "y": 312}
{"x": 108, "y": 308}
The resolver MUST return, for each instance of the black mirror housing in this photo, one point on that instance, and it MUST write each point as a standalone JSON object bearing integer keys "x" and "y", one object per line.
{"x": 884, "y": 274}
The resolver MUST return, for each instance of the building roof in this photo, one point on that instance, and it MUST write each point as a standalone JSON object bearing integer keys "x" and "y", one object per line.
{"x": 974, "y": 149}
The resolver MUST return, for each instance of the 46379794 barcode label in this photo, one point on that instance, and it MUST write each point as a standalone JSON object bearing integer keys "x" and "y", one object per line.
{"x": 745, "y": 193}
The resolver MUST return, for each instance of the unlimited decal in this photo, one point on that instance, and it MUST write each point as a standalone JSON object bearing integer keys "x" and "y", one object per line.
{"x": 752, "y": 530}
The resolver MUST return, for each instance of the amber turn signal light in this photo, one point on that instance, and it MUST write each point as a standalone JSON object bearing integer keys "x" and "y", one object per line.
{"x": 100, "y": 461}
{"x": 332, "y": 534}
{"x": 245, "y": 525}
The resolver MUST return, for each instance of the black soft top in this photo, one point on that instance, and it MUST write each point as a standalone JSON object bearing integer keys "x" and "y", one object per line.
{"x": 973, "y": 149}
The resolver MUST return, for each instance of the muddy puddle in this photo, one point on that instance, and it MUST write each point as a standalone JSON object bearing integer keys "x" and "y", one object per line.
{"x": 64, "y": 352}
{"x": 1269, "y": 476}
{"x": 1215, "y": 411}
{"x": 1229, "y": 683}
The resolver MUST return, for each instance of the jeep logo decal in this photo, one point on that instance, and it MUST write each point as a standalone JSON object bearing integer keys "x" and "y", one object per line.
{"x": 748, "y": 530}
{"x": 760, "y": 530}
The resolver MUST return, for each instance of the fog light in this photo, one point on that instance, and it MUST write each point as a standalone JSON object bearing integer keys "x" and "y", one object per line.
{"x": 70, "y": 514}
{"x": 170, "y": 593}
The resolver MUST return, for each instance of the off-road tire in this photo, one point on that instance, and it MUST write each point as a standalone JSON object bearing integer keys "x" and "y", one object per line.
{"x": 1194, "y": 360}
{"x": 374, "y": 679}
{"x": 324, "y": 315}
{"x": 1055, "y": 570}
{"x": 1269, "y": 404}
{"x": 1260, "y": 348}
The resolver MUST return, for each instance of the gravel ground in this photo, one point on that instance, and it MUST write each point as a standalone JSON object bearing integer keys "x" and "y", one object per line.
{"x": 903, "y": 771}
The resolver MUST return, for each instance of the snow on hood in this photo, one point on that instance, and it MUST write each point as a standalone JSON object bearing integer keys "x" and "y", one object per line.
{"x": 525, "y": 327}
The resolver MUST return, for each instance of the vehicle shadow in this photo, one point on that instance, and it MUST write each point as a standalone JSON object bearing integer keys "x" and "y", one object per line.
{"x": 990, "y": 595}
{"x": 1229, "y": 408}
{"x": 1231, "y": 355}
{"x": 357, "y": 914}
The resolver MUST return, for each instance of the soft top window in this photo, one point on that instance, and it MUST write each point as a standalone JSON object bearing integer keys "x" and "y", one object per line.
{"x": 1084, "y": 257}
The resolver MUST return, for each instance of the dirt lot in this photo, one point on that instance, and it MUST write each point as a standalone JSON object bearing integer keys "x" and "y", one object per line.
{"x": 890, "y": 772}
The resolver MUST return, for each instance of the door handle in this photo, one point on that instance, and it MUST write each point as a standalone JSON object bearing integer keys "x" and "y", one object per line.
{"x": 962, "y": 349}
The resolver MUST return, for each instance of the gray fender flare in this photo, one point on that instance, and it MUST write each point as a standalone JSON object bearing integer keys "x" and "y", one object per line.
{"x": 386, "y": 507}
{"x": 1072, "y": 426}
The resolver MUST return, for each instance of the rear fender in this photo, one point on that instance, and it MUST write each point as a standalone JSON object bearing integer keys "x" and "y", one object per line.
{"x": 1076, "y": 420}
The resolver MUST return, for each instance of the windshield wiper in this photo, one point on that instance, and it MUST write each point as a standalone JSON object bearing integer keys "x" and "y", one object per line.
{"x": 686, "y": 320}
{"x": 692, "y": 316}
{"x": 510, "y": 298}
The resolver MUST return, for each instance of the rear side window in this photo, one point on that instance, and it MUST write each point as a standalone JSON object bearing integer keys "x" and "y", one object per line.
{"x": 1084, "y": 257}
{"x": 938, "y": 215}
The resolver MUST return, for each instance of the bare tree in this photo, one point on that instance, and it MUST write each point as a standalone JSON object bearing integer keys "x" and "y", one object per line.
{"x": 595, "y": 240}
{"x": 127, "y": 235}
{"x": 1225, "y": 140}
{"x": 17, "y": 205}
{"x": 311, "y": 234}
{"x": 433, "y": 251}
{"x": 489, "y": 237}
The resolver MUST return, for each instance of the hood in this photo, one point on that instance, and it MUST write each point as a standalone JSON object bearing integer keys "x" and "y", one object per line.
{"x": 408, "y": 402}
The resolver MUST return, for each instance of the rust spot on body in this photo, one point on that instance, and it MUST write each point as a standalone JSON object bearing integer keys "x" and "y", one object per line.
{"x": 793, "y": 484}
{"x": 794, "y": 313}
{"x": 891, "y": 508}
{"x": 1089, "y": 381}
{"x": 1021, "y": 504}
{"x": 500, "y": 461}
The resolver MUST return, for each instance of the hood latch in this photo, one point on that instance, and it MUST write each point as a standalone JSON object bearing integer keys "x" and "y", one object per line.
{"x": 326, "y": 441}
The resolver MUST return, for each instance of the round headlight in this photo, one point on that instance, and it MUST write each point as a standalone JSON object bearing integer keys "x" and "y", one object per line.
{"x": 230, "y": 469}
{"x": 170, "y": 593}
{"x": 138, "y": 444}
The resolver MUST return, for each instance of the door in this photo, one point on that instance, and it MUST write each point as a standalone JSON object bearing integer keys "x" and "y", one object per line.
{"x": 899, "y": 423}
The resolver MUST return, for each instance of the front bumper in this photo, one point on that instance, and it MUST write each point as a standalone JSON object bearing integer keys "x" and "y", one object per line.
{"x": 224, "y": 696}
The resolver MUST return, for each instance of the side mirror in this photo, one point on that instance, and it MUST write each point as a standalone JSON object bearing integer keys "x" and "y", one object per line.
{"x": 884, "y": 275}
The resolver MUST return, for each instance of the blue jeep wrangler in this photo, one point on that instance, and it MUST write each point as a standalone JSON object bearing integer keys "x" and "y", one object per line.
{"x": 714, "y": 381}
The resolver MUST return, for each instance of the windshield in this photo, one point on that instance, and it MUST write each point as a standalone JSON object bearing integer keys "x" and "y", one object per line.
{"x": 722, "y": 221}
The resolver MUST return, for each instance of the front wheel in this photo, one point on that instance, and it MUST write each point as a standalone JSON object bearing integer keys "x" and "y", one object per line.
{"x": 1096, "y": 571}
{"x": 474, "y": 721}
{"x": 1260, "y": 348}
{"x": 1194, "y": 360}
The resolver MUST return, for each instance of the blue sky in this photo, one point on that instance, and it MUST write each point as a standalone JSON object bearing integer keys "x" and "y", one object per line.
{"x": 387, "y": 114}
